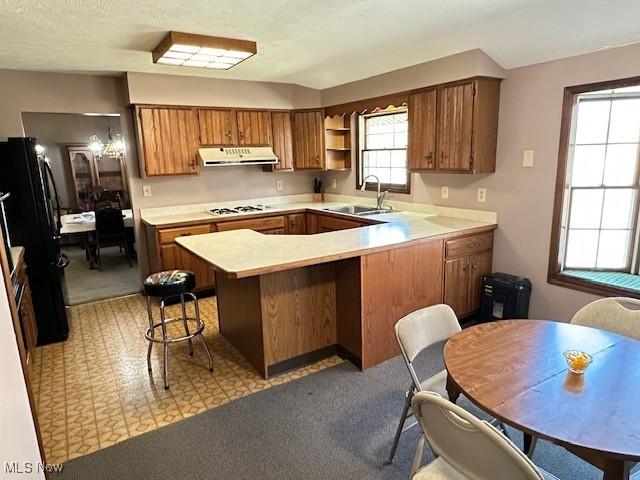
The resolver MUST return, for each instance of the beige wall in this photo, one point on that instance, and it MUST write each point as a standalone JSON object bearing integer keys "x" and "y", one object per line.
{"x": 455, "y": 67}
{"x": 530, "y": 109}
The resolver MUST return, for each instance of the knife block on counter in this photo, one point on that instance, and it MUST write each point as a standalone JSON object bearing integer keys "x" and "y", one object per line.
{"x": 318, "y": 197}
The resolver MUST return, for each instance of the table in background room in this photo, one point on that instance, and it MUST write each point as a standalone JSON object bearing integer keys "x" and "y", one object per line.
{"x": 85, "y": 223}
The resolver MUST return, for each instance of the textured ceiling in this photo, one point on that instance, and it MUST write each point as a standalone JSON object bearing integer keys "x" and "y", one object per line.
{"x": 316, "y": 43}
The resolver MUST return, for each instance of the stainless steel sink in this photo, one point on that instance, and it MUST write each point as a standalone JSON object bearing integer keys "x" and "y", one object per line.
{"x": 357, "y": 210}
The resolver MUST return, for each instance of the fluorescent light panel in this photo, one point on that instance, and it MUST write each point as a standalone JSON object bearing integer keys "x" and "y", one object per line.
{"x": 190, "y": 50}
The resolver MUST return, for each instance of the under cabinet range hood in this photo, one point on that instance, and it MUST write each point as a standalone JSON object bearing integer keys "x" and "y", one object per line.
{"x": 220, "y": 156}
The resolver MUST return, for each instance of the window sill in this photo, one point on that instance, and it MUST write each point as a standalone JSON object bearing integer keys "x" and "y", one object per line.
{"x": 606, "y": 284}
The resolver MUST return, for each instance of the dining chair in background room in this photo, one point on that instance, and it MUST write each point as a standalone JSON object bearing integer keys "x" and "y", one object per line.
{"x": 416, "y": 332}
{"x": 466, "y": 447}
{"x": 619, "y": 315}
{"x": 109, "y": 232}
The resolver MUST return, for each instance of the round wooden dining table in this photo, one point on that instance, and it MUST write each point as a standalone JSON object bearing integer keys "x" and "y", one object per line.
{"x": 515, "y": 370}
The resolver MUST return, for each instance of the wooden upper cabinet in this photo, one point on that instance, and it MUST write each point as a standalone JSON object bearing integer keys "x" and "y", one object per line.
{"x": 422, "y": 131}
{"x": 454, "y": 127}
{"x": 455, "y": 117}
{"x": 168, "y": 140}
{"x": 254, "y": 127}
{"x": 308, "y": 140}
{"x": 217, "y": 127}
{"x": 282, "y": 140}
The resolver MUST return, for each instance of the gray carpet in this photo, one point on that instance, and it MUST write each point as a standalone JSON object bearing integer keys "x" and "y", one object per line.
{"x": 84, "y": 285}
{"x": 335, "y": 424}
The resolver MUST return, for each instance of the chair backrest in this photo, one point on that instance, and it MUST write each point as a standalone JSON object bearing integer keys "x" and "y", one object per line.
{"x": 423, "y": 328}
{"x": 612, "y": 314}
{"x": 472, "y": 446}
{"x": 107, "y": 197}
{"x": 109, "y": 225}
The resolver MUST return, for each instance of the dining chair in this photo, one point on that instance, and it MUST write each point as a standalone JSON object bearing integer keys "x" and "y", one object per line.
{"x": 619, "y": 315}
{"x": 110, "y": 231}
{"x": 466, "y": 447}
{"x": 414, "y": 333}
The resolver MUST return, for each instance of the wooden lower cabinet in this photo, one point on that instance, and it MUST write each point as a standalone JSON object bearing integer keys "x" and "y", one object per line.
{"x": 330, "y": 224}
{"x": 170, "y": 256}
{"x": 296, "y": 224}
{"x": 463, "y": 273}
{"x": 174, "y": 257}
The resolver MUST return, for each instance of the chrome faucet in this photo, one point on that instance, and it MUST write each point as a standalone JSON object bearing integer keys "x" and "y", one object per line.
{"x": 380, "y": 196}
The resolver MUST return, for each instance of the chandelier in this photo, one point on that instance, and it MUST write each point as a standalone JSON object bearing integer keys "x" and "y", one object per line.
{"x": 114, "y": 147}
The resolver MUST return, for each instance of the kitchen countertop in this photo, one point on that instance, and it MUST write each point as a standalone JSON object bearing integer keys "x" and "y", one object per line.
{"x": 245, "y": 253}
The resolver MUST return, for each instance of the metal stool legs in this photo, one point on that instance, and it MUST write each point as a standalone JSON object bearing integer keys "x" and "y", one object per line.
{"x": 166, "y": 340}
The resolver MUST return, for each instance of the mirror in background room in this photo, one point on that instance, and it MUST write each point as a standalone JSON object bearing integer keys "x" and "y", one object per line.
{"x": 91, "y": 200}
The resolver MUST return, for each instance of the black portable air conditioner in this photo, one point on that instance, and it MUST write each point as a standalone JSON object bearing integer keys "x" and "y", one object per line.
{"x": 504, "y": 296}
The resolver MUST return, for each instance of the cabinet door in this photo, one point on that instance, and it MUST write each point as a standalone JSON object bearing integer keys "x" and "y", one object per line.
{"x": 455, "y": 120}
{"x": 312, "y": 223}
{"x": 175, "y": 257}
{"x": 479, "y": 266}
{"x": 308, "y": 140}
{"x": 296, "y": 224}
{"x": 254, "y": 127}
{"x": 330, "y": 224}
{"x": 422, "y": 131}
{"x": 456, "y": 285}
{"x": 217, "y": 127}
{"x": 169, "y": 140}
{"x": 282, "y": 140}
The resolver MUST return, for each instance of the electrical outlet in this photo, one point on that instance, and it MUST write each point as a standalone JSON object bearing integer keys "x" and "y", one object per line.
{"x": 279, "y": 185}
{"x": 146, "y": 190}
{"x": 444, "y": 192}
{"x": 482, "y": 194}
{"x": 334, "y": 183}
{"x": 527, "y": 159}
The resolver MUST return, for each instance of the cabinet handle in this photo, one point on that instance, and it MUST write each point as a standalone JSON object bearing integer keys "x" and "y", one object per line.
{"x": 473, "y": 244}
{"x": 474, "y": 267}
{"x": 442, "y": 157}
{"x": 228, "y": 134}
{"x": 241, "y": 135}
{"x": 465, "y": 269}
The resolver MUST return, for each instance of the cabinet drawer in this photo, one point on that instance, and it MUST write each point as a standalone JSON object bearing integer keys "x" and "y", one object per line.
{"x": 167, "y": 235}
{"x": 269, "y": 223}
{"x": 469, "y": 245}
{"x": 327, "y": 224}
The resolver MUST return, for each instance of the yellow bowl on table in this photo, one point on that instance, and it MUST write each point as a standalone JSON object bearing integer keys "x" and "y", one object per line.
{"x": 577, "y": 360}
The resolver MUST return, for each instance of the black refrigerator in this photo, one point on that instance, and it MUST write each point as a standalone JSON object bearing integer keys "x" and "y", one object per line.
{"x": 33, "y": 220}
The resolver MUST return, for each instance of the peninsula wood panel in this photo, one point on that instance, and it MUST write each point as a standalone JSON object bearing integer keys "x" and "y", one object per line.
{"x": 298, "y": 311}
{"x": 455, "y": 124}
{"x": 217, "y": 127}
{"x": 417, "y": 273}
{"x": 348, "y": 308}
{"x": 282, "y": 140}
{"x": 308, "y": 140}
{"x": 254, "y": 127}
{"x": 422, "y": 130}
{"x": 169, "y": 140}
{"x": 240, "y": 317}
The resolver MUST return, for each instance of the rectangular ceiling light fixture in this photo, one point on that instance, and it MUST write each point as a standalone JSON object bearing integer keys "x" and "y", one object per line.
{"x": 191, "y": 50}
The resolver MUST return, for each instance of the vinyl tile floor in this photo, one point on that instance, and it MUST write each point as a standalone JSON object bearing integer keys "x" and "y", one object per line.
{"x": 93, "y": 390}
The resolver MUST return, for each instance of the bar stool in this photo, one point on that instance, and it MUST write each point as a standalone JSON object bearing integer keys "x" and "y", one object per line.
{"x": 165, "y": 286}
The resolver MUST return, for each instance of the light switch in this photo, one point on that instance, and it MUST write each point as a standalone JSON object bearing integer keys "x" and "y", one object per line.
{"x": 482, "y": 194}
{"x": 279, "y": 185}
{"x": 527, "y": 159}
{"x": 444, "y": 192}
{"x": 146, "y": 190}
{"x": 334, "y": 183}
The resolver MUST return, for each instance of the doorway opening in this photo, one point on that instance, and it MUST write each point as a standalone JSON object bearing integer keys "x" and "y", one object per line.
{"x": 87, "y": 156}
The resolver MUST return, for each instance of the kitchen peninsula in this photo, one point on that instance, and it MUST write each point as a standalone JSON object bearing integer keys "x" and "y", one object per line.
{"x": 330, "y": 282}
